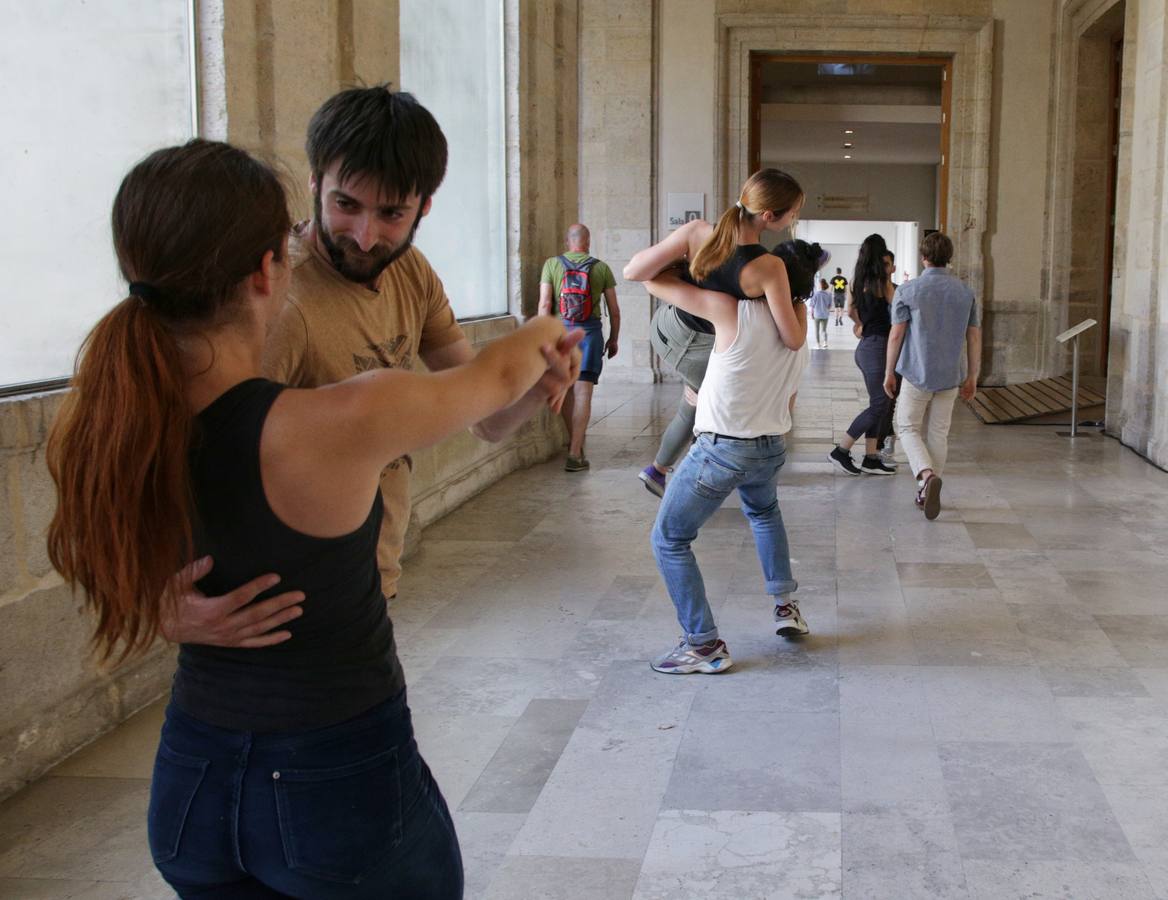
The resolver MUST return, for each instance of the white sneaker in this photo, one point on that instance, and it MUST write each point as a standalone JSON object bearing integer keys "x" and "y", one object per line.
{"x": 789, "y": 620}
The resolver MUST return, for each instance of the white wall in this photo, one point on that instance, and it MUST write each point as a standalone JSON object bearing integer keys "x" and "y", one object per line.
{"x": 895, "y": 193}
{"x": 86, "y": 90}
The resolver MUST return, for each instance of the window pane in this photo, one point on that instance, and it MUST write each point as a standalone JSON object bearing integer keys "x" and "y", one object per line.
{"x": 452, "y": 61}
{"x": 86, "y": 89}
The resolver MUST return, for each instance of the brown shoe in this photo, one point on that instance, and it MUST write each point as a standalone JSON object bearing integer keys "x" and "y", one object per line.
{"x": 932, "y": 497}
{"x": 576, "y": 464}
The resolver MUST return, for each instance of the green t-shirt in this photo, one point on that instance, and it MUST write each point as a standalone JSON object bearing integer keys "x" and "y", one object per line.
{"x": 599, "y": 279}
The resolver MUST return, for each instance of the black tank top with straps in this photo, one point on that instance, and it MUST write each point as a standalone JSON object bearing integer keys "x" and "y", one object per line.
{"x": 341, "y": 659}
{"x": 725, "y": 278}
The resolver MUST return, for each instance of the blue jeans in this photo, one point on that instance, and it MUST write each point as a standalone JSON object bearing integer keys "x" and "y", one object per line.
{"x": 714, "y": 467}
{"x": 349, "y": 811}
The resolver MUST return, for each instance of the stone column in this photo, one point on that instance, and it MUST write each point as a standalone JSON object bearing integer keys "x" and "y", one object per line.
{"x": 616, "y": 158}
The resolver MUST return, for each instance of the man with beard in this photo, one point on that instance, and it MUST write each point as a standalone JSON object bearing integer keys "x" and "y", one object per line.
{"x": 361, "y": 297}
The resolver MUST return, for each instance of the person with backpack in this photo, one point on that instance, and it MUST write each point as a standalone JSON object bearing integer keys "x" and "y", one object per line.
{"x": 839, "y": 289}
{"x": 572, "y": 286}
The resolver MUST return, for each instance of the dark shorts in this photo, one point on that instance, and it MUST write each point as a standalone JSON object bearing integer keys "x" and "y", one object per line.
{"x": 838, "y": 301}
{"x": 591, "y": 349}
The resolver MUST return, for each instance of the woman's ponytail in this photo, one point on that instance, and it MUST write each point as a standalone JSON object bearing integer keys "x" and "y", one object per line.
{"x": 118, "y": 453}
{"x": 718, "y": 246}
{"x": 766, "y": 190}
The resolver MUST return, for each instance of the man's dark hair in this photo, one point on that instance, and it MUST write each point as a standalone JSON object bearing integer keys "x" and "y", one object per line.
{"x": 937, "y": 249}
{"x": 380, "y": 133}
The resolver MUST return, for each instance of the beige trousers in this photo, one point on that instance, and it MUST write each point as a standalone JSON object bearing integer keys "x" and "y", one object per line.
{"x": 925, "y": 443}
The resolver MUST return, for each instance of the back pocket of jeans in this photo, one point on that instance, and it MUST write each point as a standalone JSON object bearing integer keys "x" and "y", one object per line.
{"x": 177, "y": 778}
{"x": 338, "y": 823}
{"x": 716, "y": 479}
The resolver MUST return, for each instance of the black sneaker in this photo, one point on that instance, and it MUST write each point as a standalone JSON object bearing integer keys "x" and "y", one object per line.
{"x": 843, "y": 460}
{"x": 874, "y": 465}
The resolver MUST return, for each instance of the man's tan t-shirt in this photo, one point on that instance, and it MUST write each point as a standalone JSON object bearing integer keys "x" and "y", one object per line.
{"x": 332, "y": 328}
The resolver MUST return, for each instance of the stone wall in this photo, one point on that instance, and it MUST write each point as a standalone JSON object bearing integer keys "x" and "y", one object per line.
{"x": 1137, "y": 385}
{"x": 616, "y": 158}
{"x": 55, "y": 699}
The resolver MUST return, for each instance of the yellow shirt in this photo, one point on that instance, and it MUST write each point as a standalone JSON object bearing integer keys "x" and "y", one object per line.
{"x": 332, "y": 328}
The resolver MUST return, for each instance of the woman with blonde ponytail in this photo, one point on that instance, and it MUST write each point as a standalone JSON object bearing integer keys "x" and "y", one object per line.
{"x": 289, "y": 770}
{"x": 743, "y": 406}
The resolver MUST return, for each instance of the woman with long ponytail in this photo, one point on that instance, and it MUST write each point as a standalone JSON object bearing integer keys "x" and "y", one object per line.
{"x": 743, "y": 407}
{"x": 289, "y": 770}
{"x": 870, "y": 307}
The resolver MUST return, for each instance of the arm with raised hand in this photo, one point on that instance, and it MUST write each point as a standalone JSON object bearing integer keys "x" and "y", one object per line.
{"x": 651, "y": 261}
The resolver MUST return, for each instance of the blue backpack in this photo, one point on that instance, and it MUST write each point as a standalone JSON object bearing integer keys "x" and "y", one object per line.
{"x": 576, "y": 290}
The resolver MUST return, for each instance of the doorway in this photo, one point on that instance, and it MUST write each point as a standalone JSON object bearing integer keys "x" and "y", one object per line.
{"x": 867, "y": 136}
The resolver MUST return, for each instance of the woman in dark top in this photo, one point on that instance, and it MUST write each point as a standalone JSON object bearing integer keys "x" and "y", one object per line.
{"x": 871, "y": 308}
{"x": 289, "y": 770}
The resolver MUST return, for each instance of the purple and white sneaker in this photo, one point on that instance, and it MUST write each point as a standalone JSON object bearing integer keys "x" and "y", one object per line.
{"x": 654, "y": 480}
{"x": 685, "y": 658}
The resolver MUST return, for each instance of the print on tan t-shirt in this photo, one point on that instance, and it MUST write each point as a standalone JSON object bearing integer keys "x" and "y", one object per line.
{"x": 332, "y": 328}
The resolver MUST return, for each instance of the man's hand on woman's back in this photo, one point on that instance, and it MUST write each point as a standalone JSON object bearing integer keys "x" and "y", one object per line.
{"x": 228, "y": 621}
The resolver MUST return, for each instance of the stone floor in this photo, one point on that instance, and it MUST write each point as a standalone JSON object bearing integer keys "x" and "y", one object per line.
{"x": 981, "y": 710}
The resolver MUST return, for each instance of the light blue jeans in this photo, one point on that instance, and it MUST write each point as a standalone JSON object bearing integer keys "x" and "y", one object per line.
{"x": 714, "y": 467}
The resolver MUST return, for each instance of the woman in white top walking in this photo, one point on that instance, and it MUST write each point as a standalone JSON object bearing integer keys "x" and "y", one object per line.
{"x": 743, "y": 407}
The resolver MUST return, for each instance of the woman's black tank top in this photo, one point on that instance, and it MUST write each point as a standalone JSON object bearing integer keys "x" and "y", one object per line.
{"x": 875, "y": 314}
{"x": 341, "y": 659}
{"x": 725, "y": 278}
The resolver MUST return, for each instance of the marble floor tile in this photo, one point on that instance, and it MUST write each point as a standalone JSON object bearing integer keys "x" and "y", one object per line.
{"x": 625, "y": 596}
{"x": 1063, "y": 635}
{"x": 944, "y": 575}
{"x": 735, "y": 854}
{"x": 932, "y": 542}
{"x": 999, "y": 536}
{"x": 993, "y": 703}
{"x": 1141, "y": 640}
{"x": 1124, "y": 739}
{"x": 1057, "y": 880}
{"x": 1029, "y": 802}
{"x": 777, "y": 762}
{"x": 484, "y": 839}
{"x": 68, "y": 889}
{"x": 614, "y": 771}
{"x": 939, "y": 876}
{"x": 74, "y": 828}
{"x": 513, "y": 779}
{"x": 1079, "y": 681}
{"x": 560, "y": 878}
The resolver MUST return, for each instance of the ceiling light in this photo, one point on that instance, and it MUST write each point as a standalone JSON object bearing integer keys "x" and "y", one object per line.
{"x": 848, "y": 145}
{"x": 848, "y": 131}
{"x": 847, "y": 156}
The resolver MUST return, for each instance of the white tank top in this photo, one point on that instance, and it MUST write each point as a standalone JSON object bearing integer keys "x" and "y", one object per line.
{"x": 748, "y": 386}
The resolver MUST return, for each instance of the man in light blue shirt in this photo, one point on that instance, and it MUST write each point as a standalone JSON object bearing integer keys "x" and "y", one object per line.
{"x": 934, "y": 317}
